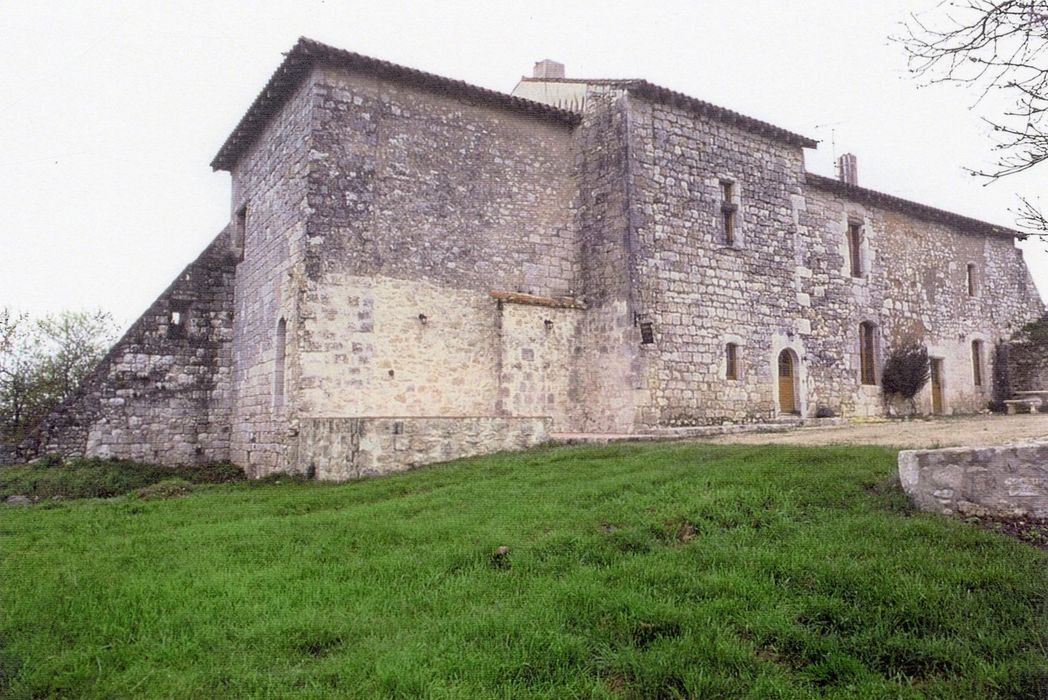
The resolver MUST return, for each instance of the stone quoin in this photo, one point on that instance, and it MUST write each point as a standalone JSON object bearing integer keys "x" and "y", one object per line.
{"x": 417, "y": 269}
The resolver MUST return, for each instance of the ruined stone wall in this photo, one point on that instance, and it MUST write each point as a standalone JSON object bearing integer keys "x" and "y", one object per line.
{"x": 914, "y": 287}
{"x": 422, "y": 205}
{"x": 1009, "y": 481}
{"x": 163, "y": 392}
{"x": 700, "y": 292}
{"x": 270, "y": 180}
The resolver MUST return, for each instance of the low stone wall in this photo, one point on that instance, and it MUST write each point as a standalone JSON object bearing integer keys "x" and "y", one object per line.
{"x": 339, "y": 449}
{"x": 1009, "y": 481}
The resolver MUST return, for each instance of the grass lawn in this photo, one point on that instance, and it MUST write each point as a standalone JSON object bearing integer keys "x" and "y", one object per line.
{"x": 641, "y": 570}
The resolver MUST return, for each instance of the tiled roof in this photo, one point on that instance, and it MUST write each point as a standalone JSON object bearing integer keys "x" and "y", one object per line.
{"x": 664, "y": 95}
{"x": 922, "y": 211}
{"x": 307, "y": 53}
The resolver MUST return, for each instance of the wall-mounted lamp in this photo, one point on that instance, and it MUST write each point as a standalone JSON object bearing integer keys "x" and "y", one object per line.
{"x": 422, "y": 318}
{"x": 549, "y": 324}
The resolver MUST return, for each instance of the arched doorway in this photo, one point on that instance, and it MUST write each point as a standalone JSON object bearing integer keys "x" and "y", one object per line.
{"x": 787, "y": 377}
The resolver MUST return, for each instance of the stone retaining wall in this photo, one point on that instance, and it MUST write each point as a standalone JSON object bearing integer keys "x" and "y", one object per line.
{"x": 1009, "y": 481}
{"x": 339, "y": 449}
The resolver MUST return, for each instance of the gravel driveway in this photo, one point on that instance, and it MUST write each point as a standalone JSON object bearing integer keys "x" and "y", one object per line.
{"x": 918, "y": 433}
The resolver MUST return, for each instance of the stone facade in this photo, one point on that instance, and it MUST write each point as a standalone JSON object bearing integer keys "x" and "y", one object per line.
{"x": 417, "y": 269}
{"x": 1009, "y": 482}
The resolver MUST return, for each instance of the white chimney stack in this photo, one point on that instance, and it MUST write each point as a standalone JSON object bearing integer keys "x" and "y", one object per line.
{"x": 548, "y": 69}
{"x": 848, "y": 169}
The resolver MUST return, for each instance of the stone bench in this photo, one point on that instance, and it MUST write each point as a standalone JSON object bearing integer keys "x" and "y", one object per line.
{"x": 1025, "y": 405}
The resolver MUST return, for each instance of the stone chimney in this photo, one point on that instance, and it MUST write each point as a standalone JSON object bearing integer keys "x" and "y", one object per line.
{"x": 848, "y": 169}
{"x": 548, "y": 69}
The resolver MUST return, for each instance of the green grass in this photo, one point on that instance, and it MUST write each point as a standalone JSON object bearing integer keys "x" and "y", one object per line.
{"x": 98, "y": 478}
{"x": 659, "y": 570}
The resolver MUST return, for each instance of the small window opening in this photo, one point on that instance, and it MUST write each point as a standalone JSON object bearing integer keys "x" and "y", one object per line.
{"x": 731, "y": 358}
{"x": 728, "y": 211}
{"x": 855, "y": 249}
{"x": 977, "y": 363}
{"x": 867, "y": 348}
{"x": 970, "y": 280}
{"x": 647, "y": 333}
{"x": 240, "y": 232}
{"x": 278, "y": 369}
{"x": 176, "y": 318}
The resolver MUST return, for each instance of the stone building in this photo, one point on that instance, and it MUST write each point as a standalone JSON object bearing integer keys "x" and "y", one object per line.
{"x": 417, "y": 269}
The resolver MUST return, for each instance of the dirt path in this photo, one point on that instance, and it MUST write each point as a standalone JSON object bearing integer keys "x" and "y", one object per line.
{"x": 939, "y": 432}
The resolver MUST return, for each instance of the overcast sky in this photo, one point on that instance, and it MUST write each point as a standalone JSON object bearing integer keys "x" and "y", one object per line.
{"x": 110, "y": 112}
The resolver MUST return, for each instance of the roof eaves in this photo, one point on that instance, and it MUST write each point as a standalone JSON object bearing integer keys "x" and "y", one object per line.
{"x": 693, "y": 104}
{"x": 923, "y": 211}
{"x": 307, "y": 53}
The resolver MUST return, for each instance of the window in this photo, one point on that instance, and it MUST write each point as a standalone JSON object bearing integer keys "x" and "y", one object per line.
{"x": 977, "y": 363}
{"x": 731, "y": 359}
{"x": 855, "y": 248}
{"x": 867, "y": 347}
{"x": 728, "y": 211}
{"x": 970, "y": 282}
{"x": 278, "y": 369}
{"x": 240, "y": 232}
{"x": 176, "y": 318}
{"x": 647, "y": 333}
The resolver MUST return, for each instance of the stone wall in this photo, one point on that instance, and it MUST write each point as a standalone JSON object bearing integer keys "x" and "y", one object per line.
{"x": 916, "y": 288}
{"x": 338, "y": 449}
{"x": 1001, "y": 481}
{"x": 700, "y": 292}
{"x": 269, "y": 183}
{"x": 163, "y": 392}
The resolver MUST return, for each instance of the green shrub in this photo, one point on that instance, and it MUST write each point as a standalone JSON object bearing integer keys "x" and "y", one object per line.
{"x": 905, "y": 373}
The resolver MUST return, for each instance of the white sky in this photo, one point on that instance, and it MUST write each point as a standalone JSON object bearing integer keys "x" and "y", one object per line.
{"x": 110, "y": 112}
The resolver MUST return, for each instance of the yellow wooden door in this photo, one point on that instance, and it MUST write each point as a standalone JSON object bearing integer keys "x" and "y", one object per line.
{"x": 787, "y": 403}
{"x": 936, "y": 386}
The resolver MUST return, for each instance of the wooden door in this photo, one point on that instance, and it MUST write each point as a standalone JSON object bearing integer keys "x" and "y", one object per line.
{"x": 787, "y": 383}
{"x": 936, "y": 372}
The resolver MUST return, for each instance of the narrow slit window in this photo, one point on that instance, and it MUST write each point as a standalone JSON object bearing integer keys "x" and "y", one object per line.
{"x": 731, "y": 360}
{"x": 728, "y": 211}
{"x": 977, "y": 362}
{"x": 867, "y": 348}
{"x": 970, "y": 279}
{"x": 278, "y": 369}
{"x": 240, "y": 232}
{"x": 855, "y": 249}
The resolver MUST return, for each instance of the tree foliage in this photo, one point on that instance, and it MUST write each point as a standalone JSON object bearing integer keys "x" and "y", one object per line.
{"x": 906, "y": 372}
{"x": 993, "y": 46}
{"x": 42, "y": 361}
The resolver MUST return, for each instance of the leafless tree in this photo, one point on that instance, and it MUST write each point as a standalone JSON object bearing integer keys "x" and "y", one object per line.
{"x": 993, "y": 46}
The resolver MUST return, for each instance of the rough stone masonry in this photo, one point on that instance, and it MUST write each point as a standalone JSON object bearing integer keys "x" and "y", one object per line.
{"x": 417, "y": 269}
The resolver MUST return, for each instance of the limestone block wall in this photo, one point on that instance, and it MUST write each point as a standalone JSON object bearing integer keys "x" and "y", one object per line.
{"x": 381, "y": 346}
{"x": 339, "y": 449}
{"x": 914, "y": 286}
{"x": 614, "y": 395}
{"x": 163, "y": 393}
{"x": 700, "y": 292}
{"x": 537, "y": 368}
{"x": 269, "y": 185}
{"x": 1007, "y": 481}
